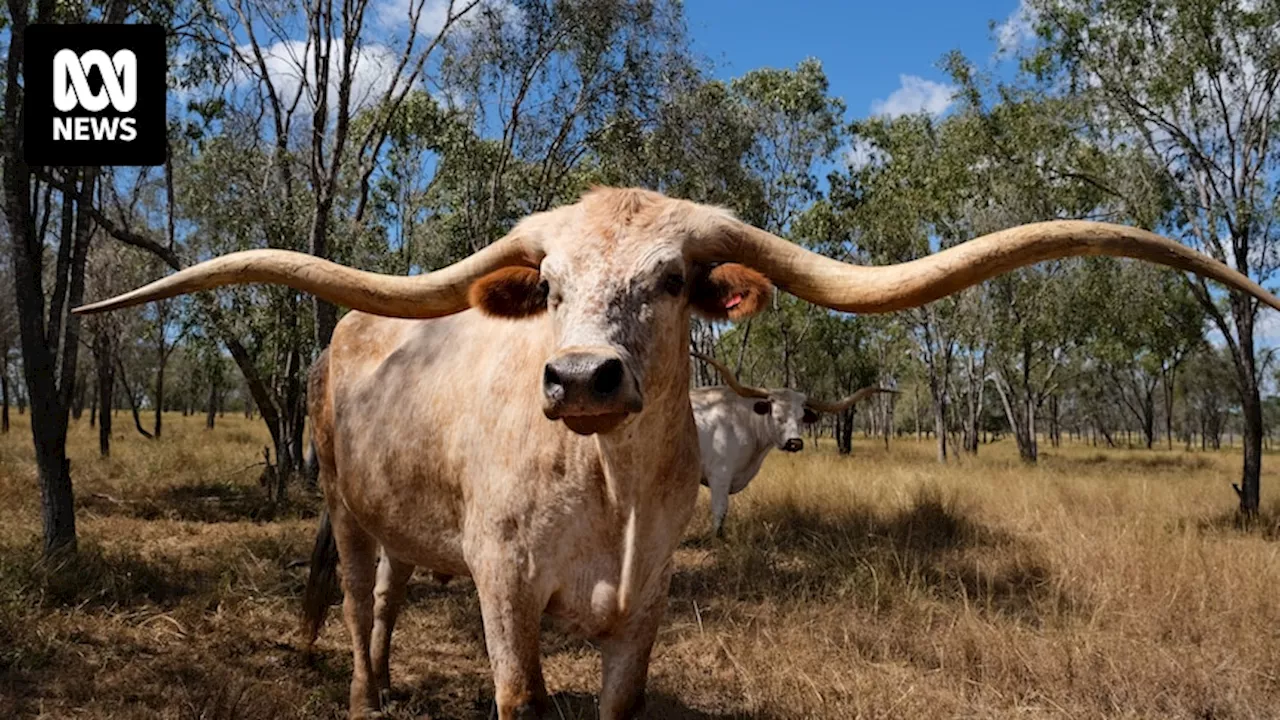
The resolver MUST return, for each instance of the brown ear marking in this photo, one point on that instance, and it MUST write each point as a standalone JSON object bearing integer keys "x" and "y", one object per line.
{"x": 510, "y": 292}
{"x": 730, "y": 292}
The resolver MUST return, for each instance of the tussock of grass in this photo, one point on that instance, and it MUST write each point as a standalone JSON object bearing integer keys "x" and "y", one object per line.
{"x": 1101, "y": 583}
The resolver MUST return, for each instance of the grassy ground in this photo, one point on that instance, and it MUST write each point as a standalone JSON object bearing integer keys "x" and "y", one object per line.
{"x": 1099, "y": 584}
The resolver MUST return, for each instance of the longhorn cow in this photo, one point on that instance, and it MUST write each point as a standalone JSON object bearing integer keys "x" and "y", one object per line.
{"x": 739, "y": 424}
{"x": 544, "y": 442}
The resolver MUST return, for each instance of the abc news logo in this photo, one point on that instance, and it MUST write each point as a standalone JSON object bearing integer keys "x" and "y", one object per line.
{"x": 95, "y": 95}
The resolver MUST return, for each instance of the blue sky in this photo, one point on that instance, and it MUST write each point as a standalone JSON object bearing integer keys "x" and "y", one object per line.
{"x": 866, "y": 47}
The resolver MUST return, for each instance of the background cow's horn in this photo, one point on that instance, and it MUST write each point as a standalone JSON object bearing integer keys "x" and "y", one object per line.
{"x": 433, "y": 294}
{"x": 841, "y": 405}
{"x": 852, "y": 288}
{"x": 731, "y": 380}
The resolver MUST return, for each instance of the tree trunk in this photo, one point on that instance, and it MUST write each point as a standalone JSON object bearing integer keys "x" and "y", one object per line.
{"x": 77, "y": 403}
{"x": 940, "y": 428}
{"x": 103, "y": 354}
{"x": 4, "y": 390}
{"x": 133, "y": 401}
{"x": 888, "y": 419}
{"x": 844, "y": 431}
{"x": 211, "y": 412}
{"x": 162, "y": 358}
{"x": 938, "y": 393}
{"x": 1020, "y": 412}
{"x": 915, "y": 396}
{"x": 1250, "y": 487}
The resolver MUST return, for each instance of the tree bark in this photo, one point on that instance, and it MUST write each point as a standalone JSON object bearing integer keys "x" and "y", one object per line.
{"x": 844, "y": 431}
{"x": 211, "y": 413}
{"x": 133, "y": 401}
{"x": 103, "y": 354}
{"x": 4, "y": 390}
{"x": 1250, "y": 488}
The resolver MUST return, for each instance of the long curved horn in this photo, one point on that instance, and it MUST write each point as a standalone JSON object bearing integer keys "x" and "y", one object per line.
{"x": 852, "y": 288}
{"x": 433, "y": 294}
{"x": 840, "y": 405}
{"x": 731, "y": 380}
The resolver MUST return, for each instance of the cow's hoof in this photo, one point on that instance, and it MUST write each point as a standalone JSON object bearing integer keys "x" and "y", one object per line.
{"x": 531, "y": 711}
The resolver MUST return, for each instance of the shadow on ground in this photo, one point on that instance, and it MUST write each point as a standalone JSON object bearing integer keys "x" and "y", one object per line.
{"x": 1264, "y": 524}
{"x": 208, "y": 502}
{"x": 791, "y": 554}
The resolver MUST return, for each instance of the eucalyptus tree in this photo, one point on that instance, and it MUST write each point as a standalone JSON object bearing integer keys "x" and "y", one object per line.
{"x": 905, "y": 206}
{"x": 1209, "y": 402}
{"x": 1031, "y": 158}
{"x": 39, "y": 221}
{"x": 543, "y": 85}
{"x": 1193, "y": 85}
{"x": 797, "y": 126}
{"x": 1143, "y": 340}
{"x": 8, "y": 342}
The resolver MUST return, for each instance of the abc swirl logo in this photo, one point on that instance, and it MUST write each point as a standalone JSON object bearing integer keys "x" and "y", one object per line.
{"x": 71, "y": 90}
{"x": 95, "y": 95}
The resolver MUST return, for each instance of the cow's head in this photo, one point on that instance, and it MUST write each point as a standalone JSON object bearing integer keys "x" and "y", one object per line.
{"x": 617, "y": 283}
{"x": 785, "y": 412}
{"x": 619, "y": 271}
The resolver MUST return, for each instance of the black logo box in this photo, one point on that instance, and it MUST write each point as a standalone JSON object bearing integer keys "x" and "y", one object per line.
{"x": 148, "y": 45}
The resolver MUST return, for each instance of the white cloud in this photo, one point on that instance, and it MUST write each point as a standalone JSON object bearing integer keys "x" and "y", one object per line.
{"x": 434, "y": 15}
{"x": 862, "y": 153}
{"x": 1017, "y": 30}
{"x": 290, "y": 67}
{"x": 392, "y": 14}
{"x": 916, "y": 95}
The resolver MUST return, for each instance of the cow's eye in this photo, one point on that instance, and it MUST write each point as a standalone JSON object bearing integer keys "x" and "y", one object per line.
{"x": 673, "y": 284}
{"x": 544, "y": 287}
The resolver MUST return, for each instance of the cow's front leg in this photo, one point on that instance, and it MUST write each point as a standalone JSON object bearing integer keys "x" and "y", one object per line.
{"x": 625, "y": 658}
{"x": 388, "y": 598}
{"x": 719, "y": 485}
{"x": 511, "y": 612}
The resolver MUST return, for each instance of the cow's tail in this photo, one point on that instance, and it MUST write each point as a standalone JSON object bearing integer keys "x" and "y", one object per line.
{"x": 322, "y": 582}
{"x": 311, "y": 465}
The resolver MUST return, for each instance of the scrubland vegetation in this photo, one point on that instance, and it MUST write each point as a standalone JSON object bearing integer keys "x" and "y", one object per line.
{"x": 1097, "y": 583}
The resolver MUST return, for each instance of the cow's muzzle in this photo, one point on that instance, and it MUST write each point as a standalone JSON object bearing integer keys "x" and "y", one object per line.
{"x": 590, "y": 389}
{"x": 793, "y": 445}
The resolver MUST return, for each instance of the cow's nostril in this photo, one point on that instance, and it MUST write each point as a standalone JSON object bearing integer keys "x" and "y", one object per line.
{"x": 551, "y": 381}
{"x": 607, "y": 378}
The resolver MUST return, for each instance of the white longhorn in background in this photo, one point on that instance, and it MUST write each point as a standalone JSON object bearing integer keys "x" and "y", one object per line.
{"x": 738, "y": 425}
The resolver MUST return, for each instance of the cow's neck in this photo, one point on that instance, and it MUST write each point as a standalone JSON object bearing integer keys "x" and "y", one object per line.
{"x": 658, "y": 446}
{"x": 762, "y": 436}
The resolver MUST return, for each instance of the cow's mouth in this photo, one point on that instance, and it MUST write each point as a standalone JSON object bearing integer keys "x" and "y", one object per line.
{"x": 592, "y": 424}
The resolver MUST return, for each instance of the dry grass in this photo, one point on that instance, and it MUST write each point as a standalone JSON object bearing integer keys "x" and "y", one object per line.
{"x": 1099, "y": 584}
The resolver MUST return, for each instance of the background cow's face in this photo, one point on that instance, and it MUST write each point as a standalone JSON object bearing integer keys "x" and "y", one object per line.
{"x": 786, "y": 415}
{"x": 618, "y": 288}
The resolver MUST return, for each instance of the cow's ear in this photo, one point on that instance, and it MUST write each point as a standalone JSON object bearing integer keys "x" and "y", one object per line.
{"x": 810, "y": 416}
{"x": 729, "y": 292}
{"x": 510, "y": 292}
{"x": 762, "y": 407}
